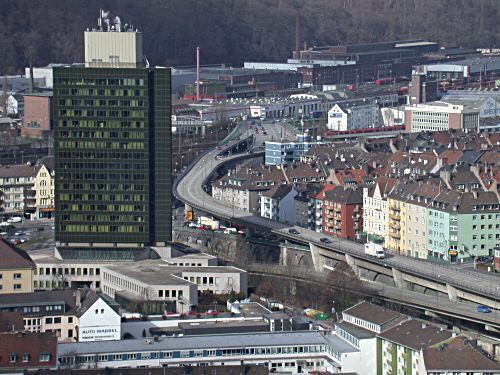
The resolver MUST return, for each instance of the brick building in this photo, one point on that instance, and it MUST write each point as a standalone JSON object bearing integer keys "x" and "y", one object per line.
{"x": 27, "y": 350}
{"x": 38, "y": 115}
{"x": 343, "y": 213}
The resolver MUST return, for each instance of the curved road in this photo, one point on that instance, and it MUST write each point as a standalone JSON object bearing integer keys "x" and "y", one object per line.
{"x": 189, "y": 190}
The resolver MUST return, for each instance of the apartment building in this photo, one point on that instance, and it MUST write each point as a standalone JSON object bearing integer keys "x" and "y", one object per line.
{"x": 398, "y": 218}
{"x": 17, "y": 189}
{"x": 21, "y": 351}
{"x": 343, "y": 213}
{"x": 360, "y": 325}
{"x": 278, "y": 203}
{"x": 456, "y": 356}
{"x": 399, "y": 347}
{"x": 44, "y": 188}
{"x": 277, "y": 153}
{"x": 416, "y": 219}
{"x": 242, "y": 189}
{"x": 375, "y": 209}
{"x": 315, "y": 211}
{"x": 16, "y": 269}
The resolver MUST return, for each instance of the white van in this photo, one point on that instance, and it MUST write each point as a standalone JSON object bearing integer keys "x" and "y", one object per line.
{"x": 230, "y": 231}
{"x": 15, "y": 219}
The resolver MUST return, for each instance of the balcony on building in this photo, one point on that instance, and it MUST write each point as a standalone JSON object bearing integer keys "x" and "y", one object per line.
{"x": 394, "y": 216}
{"x": 394, "y": 234}
{"x": 394, "y": 225}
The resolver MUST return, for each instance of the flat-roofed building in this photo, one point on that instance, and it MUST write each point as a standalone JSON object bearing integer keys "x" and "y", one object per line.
{"x": 282, "y": 352}
{"x": 438, "y": 116}
{"x": 159, "y": 281}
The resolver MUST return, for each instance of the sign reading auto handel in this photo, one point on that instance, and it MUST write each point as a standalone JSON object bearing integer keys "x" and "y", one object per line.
{"x": 99, "y": 333}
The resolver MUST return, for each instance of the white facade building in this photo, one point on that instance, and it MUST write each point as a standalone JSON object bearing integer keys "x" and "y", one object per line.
{"x": 98, "y": 322}
{"x": 17, "y": 187}
{"x": 353, "y": 116}
{"x": 282, "y": 352}
{"x": 375, "y": 219}
{"x": 438, "y": 116}
{"x": 278, "y": 203}
{"x": 156, "y": 281}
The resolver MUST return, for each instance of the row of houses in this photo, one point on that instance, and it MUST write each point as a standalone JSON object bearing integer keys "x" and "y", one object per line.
{"x": 428, "y": 195}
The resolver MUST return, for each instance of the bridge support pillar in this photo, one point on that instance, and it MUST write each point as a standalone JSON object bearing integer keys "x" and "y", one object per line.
{"x": 316, "y": 258}
{"x": 352, "y": 263}
{"x": 397, "y": 275}
{"x": 452, "y": 292}
{"x": 489, "y": 328}
{"x": 249, "y": 232}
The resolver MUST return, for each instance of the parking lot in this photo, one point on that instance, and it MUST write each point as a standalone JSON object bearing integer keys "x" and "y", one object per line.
{"x": 30, "y": 234}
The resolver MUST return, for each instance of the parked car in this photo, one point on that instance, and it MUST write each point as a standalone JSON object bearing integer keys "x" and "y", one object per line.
{"x": 293, "y": 231}
{"x": 4, "y": 224}
{"x": 192, "y": 224}
{"x": 201, "y": 227}
{"x": 325, "y": 240}
{"x": 15, "y": 219}
{"x": 483, "y": 309}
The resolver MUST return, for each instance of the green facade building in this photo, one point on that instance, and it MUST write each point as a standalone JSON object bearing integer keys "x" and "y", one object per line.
{"x": 463, "y": 225}
{"x": 113, "y": 161}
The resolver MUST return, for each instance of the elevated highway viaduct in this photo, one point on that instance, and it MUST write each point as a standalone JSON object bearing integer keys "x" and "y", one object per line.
{"x": 407, "y": 274}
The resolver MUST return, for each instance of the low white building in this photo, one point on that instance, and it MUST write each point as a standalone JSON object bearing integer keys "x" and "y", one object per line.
{"x": 353, "y": 116}
{"x": 159, "y": 281}
{"x": 282, "y": 352}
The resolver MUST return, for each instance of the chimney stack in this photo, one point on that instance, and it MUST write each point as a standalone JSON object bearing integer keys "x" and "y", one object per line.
{"x": 78, "y": 298}
{"x": 197, "y": 73}
{"x": 296, "y": 54}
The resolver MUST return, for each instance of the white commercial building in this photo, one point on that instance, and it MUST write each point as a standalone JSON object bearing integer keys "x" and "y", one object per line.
{"x": 282, "y": 352}
{"x": 353, "y": 116}
{"x": 159, "y": 281}
{"x": 439, "y": 116}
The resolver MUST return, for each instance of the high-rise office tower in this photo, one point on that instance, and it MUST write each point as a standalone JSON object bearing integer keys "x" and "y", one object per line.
{"x": 112, "y": 149}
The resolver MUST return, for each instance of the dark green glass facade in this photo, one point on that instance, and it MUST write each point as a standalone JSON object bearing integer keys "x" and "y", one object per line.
{"x": 112, "y": 159}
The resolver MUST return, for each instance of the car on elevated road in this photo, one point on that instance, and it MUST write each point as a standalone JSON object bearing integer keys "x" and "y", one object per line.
{"x": 483, "y": 309}
{"x": 325, "y": 240}
{"x": 293, "y": 231}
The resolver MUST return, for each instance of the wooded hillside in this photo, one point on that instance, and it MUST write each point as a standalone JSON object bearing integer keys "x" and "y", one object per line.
{"x": 233, "y": 31}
